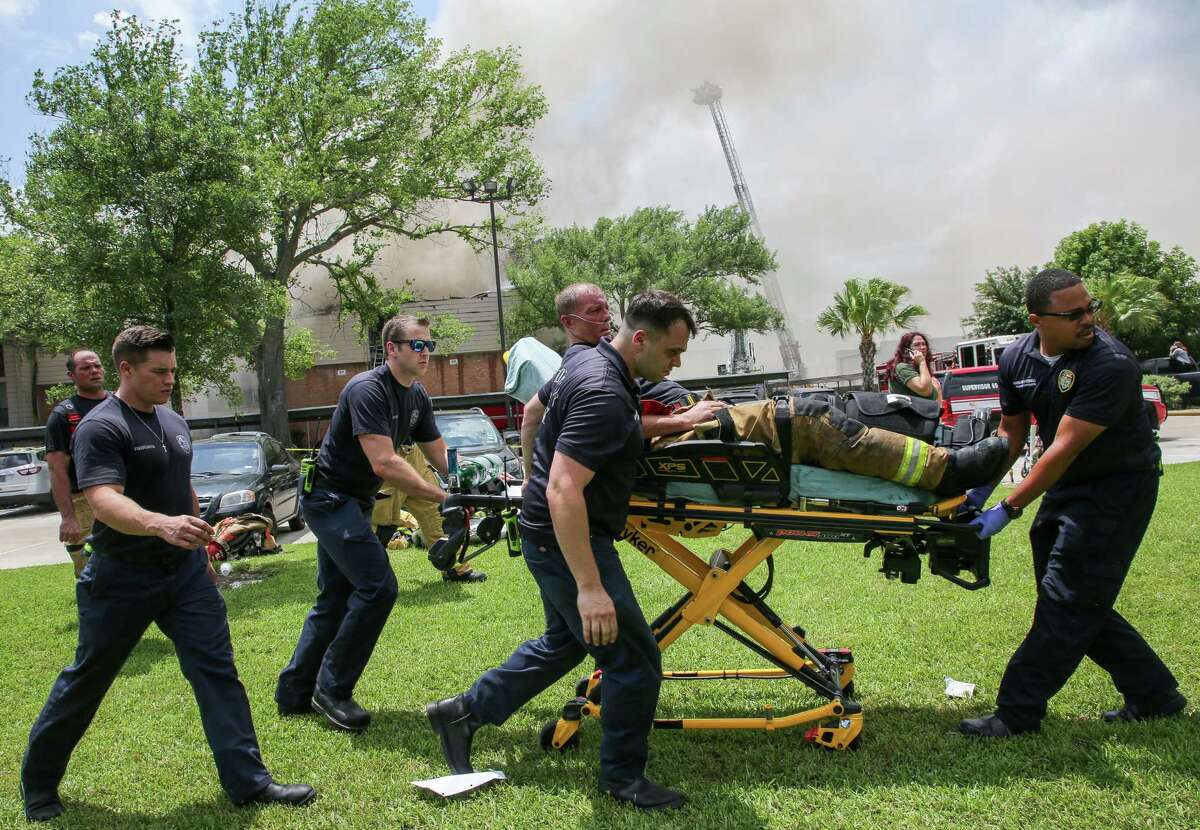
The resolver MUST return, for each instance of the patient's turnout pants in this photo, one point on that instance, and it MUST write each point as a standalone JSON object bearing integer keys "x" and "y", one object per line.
{"x": 826, "y": 437}
{"x": 392, "y": 501}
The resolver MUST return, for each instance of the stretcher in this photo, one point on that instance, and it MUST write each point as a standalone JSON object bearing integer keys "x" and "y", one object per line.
{"x": 697, "y": 489}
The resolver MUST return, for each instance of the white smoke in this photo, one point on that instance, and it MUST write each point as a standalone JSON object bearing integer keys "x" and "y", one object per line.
{"x": 920, "y": 143}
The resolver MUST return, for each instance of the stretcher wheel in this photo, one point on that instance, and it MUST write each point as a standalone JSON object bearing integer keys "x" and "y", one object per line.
{"x": 546, "y": 737}
{"x": 848, "y": 692}
{"x": 581, "y": 689}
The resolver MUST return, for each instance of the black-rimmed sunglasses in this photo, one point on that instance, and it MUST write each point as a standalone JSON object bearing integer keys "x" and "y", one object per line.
{"x": 1075, "y": 314}
{"x": 418, "y": 345}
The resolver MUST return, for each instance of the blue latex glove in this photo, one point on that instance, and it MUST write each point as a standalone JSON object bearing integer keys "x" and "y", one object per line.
{"x": 978, "y": 496}
{"x": 990, "y": 522}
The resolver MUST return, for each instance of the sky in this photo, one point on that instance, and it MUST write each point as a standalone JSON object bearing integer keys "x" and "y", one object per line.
{"x": 923, "y": 143}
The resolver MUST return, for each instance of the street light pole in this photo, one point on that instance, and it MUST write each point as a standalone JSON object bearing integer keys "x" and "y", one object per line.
{"x": 491, "y": 191}
{"x": 496, "y": 262}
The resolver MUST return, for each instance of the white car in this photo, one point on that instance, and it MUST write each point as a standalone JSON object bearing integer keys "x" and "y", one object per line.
{"x": 24, "y": 477}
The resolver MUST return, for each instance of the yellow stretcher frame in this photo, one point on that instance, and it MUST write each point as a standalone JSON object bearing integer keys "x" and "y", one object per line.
{"x": 716, "y": 594}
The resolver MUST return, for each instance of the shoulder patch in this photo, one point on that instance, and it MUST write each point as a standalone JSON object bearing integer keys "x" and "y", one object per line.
{"x": 183, "y": 442}
{"x": 1066, "y": 379}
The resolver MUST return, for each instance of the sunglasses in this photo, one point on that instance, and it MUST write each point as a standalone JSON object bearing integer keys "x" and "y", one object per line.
{"x": 1075, "y": 314}
{"x": 418, "y": 345}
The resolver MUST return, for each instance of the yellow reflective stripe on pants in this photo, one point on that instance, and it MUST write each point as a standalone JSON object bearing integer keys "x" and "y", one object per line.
{"x": 913, "y": 460}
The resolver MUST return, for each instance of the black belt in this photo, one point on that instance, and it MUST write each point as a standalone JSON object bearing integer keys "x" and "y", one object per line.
{"x": 161, "y": 561}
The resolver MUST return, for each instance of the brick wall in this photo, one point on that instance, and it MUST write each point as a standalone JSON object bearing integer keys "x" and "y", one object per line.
{"x": 465, "y": 374}
{"x": 322, "y": 385}
{"x": 468, "y": 374}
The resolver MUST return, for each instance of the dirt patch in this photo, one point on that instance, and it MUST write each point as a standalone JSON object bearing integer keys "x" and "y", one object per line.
{"x": 237, "y": 577}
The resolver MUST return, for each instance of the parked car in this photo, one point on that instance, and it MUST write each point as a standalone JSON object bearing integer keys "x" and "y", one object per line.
{"x": 246, "y": 472}
{"x": 1162, "y": 366}
{"x": 965, "y": 391}
{"x": 24, "y": 478}
{"x": 472, "y": 432}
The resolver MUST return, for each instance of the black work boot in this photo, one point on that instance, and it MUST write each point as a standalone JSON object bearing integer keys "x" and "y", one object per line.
{"x": 289, "y": 795}
{"x": 452, "y": 720}
{"x": 972, "y": 466}
{"x": 989, "y": 726}
{"x": 1146, "y": 711}
{"x": 343, "y": 714}
{"x": 644, "y": 794}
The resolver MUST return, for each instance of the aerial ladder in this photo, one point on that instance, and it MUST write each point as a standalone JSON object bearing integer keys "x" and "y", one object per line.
{"x": 741, "y": 359}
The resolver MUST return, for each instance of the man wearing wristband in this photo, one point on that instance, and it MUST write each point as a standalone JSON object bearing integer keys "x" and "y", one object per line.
{"x": 87, "y": 373}
{"x": 1099, "y": 473}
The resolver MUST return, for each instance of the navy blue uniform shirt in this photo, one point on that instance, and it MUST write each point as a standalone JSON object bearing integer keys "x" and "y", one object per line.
{"x": 570, "y": 354}
{"x": 591, "y": 417}
{"x": 1100, "y": 384}
{"x": 61, "y": 424}
{"x": 149, "y": 454}
{"x": 372, "y": 403}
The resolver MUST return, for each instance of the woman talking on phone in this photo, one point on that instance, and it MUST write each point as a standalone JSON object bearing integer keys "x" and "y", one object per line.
{"x": 908, "y": 370}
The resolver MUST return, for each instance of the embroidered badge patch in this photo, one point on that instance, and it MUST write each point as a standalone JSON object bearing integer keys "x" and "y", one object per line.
{"x": 1066, "y": 379}
{"x": 183, "y": 442}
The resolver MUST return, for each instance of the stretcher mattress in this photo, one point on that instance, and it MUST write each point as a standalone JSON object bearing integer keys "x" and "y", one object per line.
{"x": 818, "y": 483}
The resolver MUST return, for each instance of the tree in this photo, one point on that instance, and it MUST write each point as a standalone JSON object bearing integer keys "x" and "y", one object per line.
{"x": 351, "y": 127}
{"x": 868, "y": 307}
{"x": 120, "y": 204}
{"x": 999, "y": 305}
{"x": 370, "y": 305}
{"x": 35, "y": 311}
{"x": 710, "y": 264}
{"x": 1132, "y": 305}
{"x": 1107, "y": 249}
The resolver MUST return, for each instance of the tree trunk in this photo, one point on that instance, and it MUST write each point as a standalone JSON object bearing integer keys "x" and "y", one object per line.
{"x": 33, "y": 390}
{"x": 272, "y": 400}
{"x": 866, "y": 354}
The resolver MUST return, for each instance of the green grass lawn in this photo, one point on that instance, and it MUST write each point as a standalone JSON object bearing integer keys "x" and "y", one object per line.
{"x": 144, "y": 763}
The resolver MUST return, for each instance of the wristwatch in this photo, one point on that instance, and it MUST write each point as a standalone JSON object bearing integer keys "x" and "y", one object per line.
{"x": 1013, "y": 512}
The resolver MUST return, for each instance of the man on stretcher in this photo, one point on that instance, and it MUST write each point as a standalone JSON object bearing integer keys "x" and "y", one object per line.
{"x": 821, "y": 435}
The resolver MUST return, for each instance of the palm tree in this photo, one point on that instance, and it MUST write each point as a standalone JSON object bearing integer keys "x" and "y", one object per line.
{"x": 868, "y": 307}
{"x": 1132, "y": 304}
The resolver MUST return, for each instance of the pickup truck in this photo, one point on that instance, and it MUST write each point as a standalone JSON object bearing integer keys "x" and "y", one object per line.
{"x": 1162, "y": 366}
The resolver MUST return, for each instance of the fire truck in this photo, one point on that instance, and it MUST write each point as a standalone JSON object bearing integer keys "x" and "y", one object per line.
{"x": 970, "y": 380}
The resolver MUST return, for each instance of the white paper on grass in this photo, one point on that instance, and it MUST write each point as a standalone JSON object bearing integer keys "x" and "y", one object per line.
{"x": 455, "y": 786}
{"x": 957, "y": 688}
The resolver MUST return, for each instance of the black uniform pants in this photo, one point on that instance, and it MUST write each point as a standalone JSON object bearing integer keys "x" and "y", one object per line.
{"x": 356, "y": 589}
{"x": 632, "y": 665}
{"x": 117, "y": 601}
{"x": 1084, "y": 538}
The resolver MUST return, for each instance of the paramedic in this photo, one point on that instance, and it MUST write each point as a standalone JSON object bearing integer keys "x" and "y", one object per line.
{"x": 1099, "y": 473}
{"x": 574, "y": 508}
{"x": 87, "y": 373}
{"x": 133, "y": 459}
{"x": 377, "y": 412}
